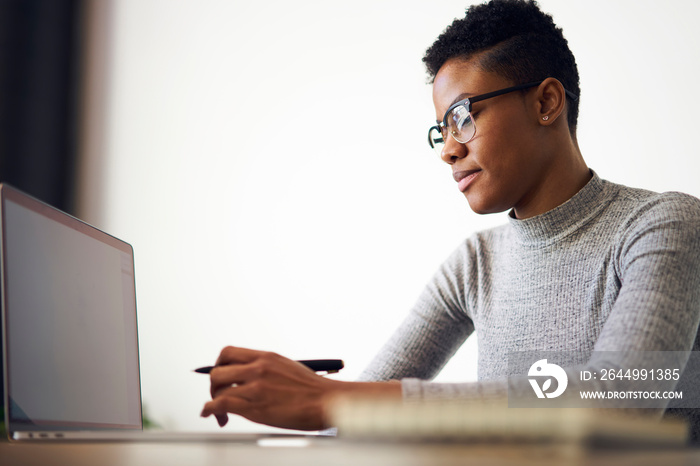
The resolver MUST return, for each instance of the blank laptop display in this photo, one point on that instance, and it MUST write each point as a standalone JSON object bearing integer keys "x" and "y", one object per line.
{"x": 70, "y": 352}
{"x": 69, "y": 332}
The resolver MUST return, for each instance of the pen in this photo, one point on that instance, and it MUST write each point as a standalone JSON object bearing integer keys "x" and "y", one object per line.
{"x": 330, "y": 366}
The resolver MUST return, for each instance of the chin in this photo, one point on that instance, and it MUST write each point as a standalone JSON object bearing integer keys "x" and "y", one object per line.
{"x": 482, "y": 206}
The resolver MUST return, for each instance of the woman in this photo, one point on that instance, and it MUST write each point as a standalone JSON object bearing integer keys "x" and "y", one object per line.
{"x": 582, "y": 265}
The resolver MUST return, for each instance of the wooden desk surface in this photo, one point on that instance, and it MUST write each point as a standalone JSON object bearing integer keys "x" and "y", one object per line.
{"x": 330, "y": 452}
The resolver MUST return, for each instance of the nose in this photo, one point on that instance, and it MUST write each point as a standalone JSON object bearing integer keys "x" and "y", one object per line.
{"x": 453, "y": 151}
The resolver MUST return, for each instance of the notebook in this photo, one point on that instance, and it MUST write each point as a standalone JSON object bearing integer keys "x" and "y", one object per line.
{"x": 69, "y": 330}
{"x": 492, "y": 420}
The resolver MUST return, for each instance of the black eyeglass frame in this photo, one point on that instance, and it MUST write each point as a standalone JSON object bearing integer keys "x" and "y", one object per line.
{"x": 471, "y": 100}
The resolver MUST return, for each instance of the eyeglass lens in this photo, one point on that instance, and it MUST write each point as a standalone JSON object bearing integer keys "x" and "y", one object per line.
{"x": 459, "y": 124}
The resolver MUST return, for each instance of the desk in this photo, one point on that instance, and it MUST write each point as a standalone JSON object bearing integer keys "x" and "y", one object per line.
{"x": 330, "y": 452}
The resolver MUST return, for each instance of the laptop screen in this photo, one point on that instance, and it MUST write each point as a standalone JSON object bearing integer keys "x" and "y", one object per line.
{"x": 69, "y": 322}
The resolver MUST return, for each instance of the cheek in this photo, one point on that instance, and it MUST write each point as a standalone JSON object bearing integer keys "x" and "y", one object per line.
{"x": 505, "y": 145}
{"x": 503, "y": 154}
{"x": 497, "y": 151}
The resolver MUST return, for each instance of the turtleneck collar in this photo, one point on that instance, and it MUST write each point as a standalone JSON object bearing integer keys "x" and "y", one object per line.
{"x": 549, "y": 227}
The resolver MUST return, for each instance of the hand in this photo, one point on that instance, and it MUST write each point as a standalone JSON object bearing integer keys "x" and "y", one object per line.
{"x": 268, "y": 388}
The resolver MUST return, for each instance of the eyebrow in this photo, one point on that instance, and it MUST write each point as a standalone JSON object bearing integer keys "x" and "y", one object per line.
{"x": 462, "y": 96}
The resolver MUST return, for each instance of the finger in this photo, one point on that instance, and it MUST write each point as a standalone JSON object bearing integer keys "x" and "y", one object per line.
{"x": 236, "y": 355}
{"x": 266, "y": 365}
{"x": 238, "y": 374}
{"x": 224, "y": 377}
{"x": 209, "y": 409}
{"x": 221, "y": 406}
{"x": 228, "y": 390}
{"x": 252, "y": 392}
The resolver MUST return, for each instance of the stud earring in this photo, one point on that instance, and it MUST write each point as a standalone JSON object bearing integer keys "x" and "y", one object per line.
{"x": 545, "y": 118}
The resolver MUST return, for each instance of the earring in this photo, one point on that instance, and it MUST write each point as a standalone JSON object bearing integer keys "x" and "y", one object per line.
{"x": 545, "y": 118}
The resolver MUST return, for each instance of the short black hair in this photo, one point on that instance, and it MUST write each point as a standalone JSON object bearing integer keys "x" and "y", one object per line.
{"x": 521, "y": 42}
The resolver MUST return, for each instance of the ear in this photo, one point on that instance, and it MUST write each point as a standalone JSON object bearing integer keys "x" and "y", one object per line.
{"x": 551, "y": 101}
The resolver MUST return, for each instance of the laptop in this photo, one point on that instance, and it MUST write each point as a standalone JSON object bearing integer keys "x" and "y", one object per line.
{"x": 69, "y": 330}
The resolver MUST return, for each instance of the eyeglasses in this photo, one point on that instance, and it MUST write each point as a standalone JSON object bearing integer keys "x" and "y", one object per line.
{"x": 459, "y": 123}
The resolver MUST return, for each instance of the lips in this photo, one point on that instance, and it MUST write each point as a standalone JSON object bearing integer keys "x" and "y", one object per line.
{"x": 465, "y": 177}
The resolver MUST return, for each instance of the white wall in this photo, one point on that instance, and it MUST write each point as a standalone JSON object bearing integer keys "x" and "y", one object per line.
{"x": 269, "y": 165}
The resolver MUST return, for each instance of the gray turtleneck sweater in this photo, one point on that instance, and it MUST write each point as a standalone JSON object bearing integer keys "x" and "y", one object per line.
{"x": 612, "y": 269}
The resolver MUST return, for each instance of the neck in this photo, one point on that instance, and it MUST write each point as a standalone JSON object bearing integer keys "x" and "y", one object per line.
{"x": 565, "y": 176}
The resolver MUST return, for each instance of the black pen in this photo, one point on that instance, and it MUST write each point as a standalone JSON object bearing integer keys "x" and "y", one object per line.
{"x": 329, "y": 366}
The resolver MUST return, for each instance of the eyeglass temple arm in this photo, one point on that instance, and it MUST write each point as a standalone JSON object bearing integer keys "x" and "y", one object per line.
{"x": 519, "y": 87}
{"x": 430, "y": 141}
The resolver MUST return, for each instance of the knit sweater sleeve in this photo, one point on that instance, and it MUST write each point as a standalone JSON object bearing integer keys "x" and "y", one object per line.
{"x": 657, "y": 308}
{"x": 658, "y": 262}
{"x": 434, "y": 329}
{"x": 648, "y": 298}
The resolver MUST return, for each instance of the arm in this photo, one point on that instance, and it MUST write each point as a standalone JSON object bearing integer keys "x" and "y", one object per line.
{"x": 267, "y": 388}
{"x": 656, "y": 262}
{"x": 270, "y": 389}
{"x": 435, "y": 328}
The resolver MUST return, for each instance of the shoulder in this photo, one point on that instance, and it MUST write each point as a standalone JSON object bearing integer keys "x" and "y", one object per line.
{"x": 644, "y": 198}
{"x": 640, "y": 209}
{"x": 656, "y": 222}
{"x": 469, "y": 250}
{"x": 491, "y": 236}
{"x": 485, "y": 241}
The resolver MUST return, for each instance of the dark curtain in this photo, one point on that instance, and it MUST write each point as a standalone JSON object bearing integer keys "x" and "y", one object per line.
{"x": 39, "y": 84}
